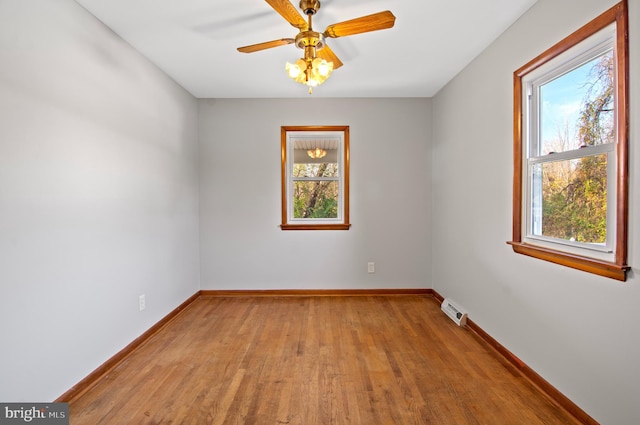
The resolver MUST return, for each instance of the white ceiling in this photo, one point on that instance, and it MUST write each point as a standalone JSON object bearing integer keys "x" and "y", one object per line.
{"x": 195, "y": 41}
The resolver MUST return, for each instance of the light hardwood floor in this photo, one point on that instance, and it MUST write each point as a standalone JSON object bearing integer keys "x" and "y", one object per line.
{"x": 364, "y": 360}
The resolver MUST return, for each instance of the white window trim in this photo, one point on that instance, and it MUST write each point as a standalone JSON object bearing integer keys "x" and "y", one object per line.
{"x": 292, "y": 137}
{"x": 589, "y": 49}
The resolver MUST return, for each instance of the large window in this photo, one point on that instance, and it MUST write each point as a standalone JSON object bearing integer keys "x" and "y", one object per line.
{"x": 570, "y": 150}
{"x": 315, "y": 178}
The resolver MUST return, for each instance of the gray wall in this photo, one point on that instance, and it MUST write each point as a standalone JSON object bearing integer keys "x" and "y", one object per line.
{"x": 98, "y": 196}
{"x": 578, "y": 330}
{"x": 242, "y": 246}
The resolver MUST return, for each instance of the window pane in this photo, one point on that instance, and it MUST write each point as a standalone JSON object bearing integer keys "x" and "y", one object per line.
{"x": 577, "y": 108}
{"x": 315, "y": 199}
{"x": 569, "y": 199}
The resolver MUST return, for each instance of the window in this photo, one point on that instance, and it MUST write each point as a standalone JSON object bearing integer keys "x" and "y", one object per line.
{"x": 315, "y": 178}
{"x": 570, "y": 150}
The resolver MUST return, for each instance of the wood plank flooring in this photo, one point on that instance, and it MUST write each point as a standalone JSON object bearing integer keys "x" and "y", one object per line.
{"x": 364, "y": 360}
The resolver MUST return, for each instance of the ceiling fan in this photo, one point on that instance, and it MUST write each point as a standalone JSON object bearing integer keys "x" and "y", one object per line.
{"x": 319, "y": 60}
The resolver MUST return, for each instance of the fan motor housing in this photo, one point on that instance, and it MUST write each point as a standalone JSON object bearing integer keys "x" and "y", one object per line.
{"x": 310, "y": 39}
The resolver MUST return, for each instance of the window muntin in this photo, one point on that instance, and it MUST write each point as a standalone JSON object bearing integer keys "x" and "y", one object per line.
{"x": 570, "y": 159}
{"x": 315, "y": 171}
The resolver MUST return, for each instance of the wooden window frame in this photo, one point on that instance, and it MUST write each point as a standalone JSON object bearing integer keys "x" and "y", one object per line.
{"x": 616, "y": 269}
{"x": 343, "y": 224}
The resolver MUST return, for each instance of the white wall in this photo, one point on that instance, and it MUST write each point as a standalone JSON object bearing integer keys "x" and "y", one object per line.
{"x": 242, "y": 246}
{"x": 578, "y": 330}
{"x": 98, "y": 196}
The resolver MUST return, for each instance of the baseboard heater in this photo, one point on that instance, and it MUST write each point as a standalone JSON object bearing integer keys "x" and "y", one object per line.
{"x": 454, "y": 311}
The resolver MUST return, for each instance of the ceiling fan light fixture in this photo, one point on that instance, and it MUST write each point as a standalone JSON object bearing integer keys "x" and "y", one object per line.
{"x": 311, "y": 73}
{"x": 316, "y": 153}
{"x": 323, "y": 67}
{"x": 296, "y": 70}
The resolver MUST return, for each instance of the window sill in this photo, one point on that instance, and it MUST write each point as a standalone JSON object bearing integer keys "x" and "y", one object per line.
{"x": 602, "y": 268}
{"x": 315, "y": 226}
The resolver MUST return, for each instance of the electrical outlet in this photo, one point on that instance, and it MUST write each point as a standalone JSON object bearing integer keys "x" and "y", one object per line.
{"x": 371, "y": 267}
{"x": 141, "y": 302}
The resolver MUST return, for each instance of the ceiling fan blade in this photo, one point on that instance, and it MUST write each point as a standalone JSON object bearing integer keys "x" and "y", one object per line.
{"x": 375, "y": 22}
{"x": 266, "y": 45}
{"x": 289, "y": 12}
{"x": 327, "y": 54}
